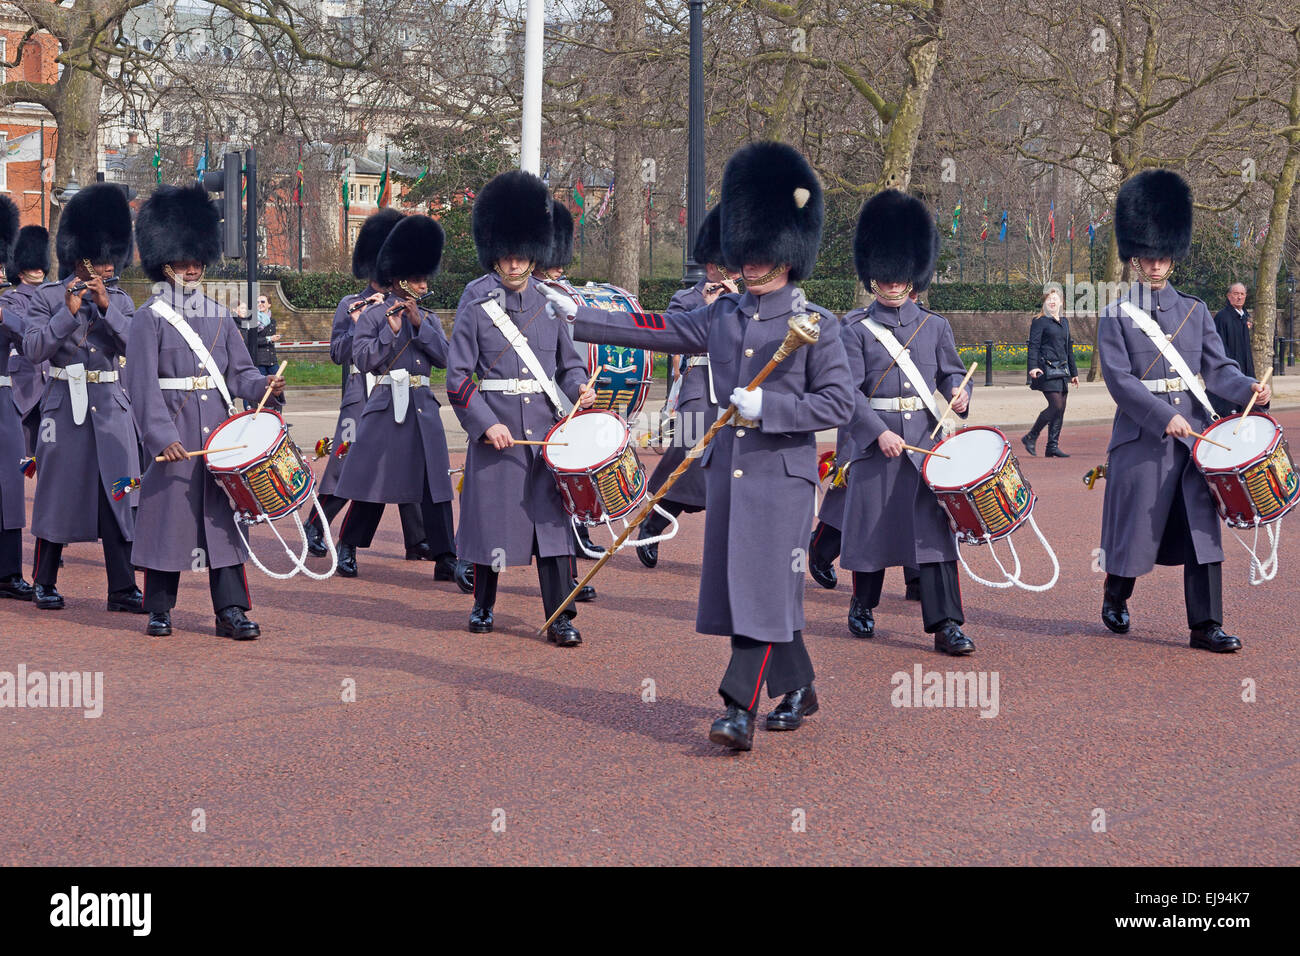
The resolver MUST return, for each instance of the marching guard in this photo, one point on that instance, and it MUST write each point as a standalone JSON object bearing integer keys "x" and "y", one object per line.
{"x": 186, "y": 364}
{"x": 898, "y": 355}
{"x": 13, "y": 501}
{"x": 80, "y": 325}
{"x": 507, "y": 338}
{"x": 28, "y": 265}
{"x": 1152, "y": 344}
{"x": 760, "y": 473}
{"x": 697, "y": 399}
{"x": 399, "y": 455}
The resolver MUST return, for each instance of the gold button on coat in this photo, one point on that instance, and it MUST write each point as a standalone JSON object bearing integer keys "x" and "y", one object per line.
{"x": 737, "y": 473}
{"x": 749, "y": 353}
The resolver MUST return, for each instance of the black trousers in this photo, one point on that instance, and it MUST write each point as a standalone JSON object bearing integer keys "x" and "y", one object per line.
{"x": 414, "y": 530}
{"x": 429, "y": 521}
{"x": 11, "y": 554}
{"x": 940, "y": 593}
{"x": 782, "y": 667}
{"x": 117, "y": 552}
{"x": 32, "y": 428}
{"x": 228, "y": 587}
{"x": 825, "y": 545}
{"x": 554, "y": 576}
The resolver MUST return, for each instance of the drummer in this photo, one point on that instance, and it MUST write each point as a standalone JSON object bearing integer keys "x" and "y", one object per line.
{"x": 697, "y": 400}
{"x": 761, "y": 472}
{"x": 1153, "y": 344}
{"x": 891, "y": 518}
{"x": 400, "y": 453}
{"x": 184, "y": 520}
{"x": 505, "y": 335}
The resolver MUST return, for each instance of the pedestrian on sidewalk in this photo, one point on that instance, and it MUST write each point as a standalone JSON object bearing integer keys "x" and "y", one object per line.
{"x": 1051, "y": 371}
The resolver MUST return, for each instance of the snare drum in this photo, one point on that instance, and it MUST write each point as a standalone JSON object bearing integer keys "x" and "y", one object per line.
{"x": 980, "y": 485}
{"x": 1255, "y": 478}
{"x": 267, "y": 477}
{"x": 597, "y": 470}
{"x": 624, "y": 381}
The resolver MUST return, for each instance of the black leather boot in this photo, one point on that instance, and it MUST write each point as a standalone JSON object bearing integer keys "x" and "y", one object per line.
{"x": 794, "y": 707}
{"x": 1114, "y": 603}
{"x": 17, "y": 588}
{"x": 950, "y": 640}
{"x": 1030, "y": 441}
{"x": 160, "y": 624}
{"x": 47, "y": 598}
{"x": 862, "y": 623}
{"x": 465, "y": 576}
{"x": 823, "y": 574}
{"x": 563, "y": 634}
{"x": 480, "y": 620}
{"x": 584, "y": 536}
{"x": 422, "y": 552}
{"x": 1210, "y": 637}
{"x": 315, "y": 537}
{"x": 232, "y": 623}
{"x": 1053, "y": 440}
{"x": 734, "y": 729}
{"x": 347, "y": 561}
{"x": 131, "y": 601}
{"x": 588, "y": 593}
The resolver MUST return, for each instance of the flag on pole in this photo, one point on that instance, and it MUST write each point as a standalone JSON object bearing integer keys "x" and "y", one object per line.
{"x": 1002, "y": 232}
{"x": 1051, "y": 221}
{"x": 1092, "y": 231}
{"x": 984, "y": 232}
{"x": 297, "y": 189}
{"x": 1236, "y": 232}
{"x": 580, "y": 200}
{"x": 21, "y": 150}
{"x": 156, "y": 162}
{"x": 605, "y": 201}
{"x": 385, "y": 185}
{"x": 201, "y": 167}
{"x": 347, "y": 198}
{"x": 956, "y": 215}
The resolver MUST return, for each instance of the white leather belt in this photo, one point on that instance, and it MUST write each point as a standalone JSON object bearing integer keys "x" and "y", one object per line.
{"x": 401, "y": 382}
{"x": 695, "y": 360}
{"x": 92, "y": 377}
{"x": 1162, "y": 385}
{"x": 195, "y": 383}
{"x": 511, "y": 386}
{"x": 417, "y": 381}
{"x": 909, "y": 404}
{"x": 6, "y": 381}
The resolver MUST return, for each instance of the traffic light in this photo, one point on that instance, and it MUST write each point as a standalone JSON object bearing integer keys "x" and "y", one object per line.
{"x": 228, "y": 181}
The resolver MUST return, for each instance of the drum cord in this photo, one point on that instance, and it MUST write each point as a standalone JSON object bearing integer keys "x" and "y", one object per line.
{"x": 1261, "y": 571}
{"x": 668, "y": 532}
{"x": 1013, "y": 578}
{"x": 300, "y": 560}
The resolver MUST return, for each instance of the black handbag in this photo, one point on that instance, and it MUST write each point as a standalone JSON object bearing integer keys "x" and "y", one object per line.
{"x": 1054, "y": 370}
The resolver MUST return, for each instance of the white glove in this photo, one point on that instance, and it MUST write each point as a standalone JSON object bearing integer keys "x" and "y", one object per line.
{"x": 559, "y": 304}
{"x": 748, "y": 404}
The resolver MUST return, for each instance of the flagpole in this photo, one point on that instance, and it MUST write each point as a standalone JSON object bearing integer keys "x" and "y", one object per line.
{"x": 530, "y": 140}
{"x": 42, "y": 174}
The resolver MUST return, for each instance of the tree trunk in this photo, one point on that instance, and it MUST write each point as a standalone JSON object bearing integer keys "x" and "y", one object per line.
{"x": 1270, "y": 257}
{"x": 76, "y": 114}
{"x": 905, "y": 128}
{"x": 1114, "y": 273}
{"x": 629, "y": 204}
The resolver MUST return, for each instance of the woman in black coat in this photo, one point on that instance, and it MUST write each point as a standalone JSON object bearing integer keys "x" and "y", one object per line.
{"x": 1051, "y": 371}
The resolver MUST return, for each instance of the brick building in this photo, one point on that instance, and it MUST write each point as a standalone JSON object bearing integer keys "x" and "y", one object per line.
{"x": 21, "y": 180}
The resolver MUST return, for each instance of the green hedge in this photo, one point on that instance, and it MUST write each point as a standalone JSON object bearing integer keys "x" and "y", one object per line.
{"x": 322, "y": 290}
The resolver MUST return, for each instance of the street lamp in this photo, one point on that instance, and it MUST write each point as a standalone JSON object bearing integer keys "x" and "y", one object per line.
{"x": 693, "y": 271}
{"x": 1290, "y": 317}
{"x": 70, "y": 190}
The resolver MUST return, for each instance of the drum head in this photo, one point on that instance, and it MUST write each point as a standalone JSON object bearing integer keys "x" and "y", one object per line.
{"x": 591, "y": 437}
{"x": 259, "y": 432}
{"x": 973, "y": 454}
{"x": 1252, "y": 440}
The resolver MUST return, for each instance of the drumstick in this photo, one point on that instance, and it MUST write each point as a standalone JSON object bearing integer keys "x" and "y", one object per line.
{"x": 205, "y": 451}
{"x": 961, "y": 388}
{"x": 1251, "y": 403}
{"x": 530, "y": 441}
{"x": 590, "y": 382}
{"x": 923, "y": 451}
{"x": 1210, "y": 440}
{"x": 283, "y": 365}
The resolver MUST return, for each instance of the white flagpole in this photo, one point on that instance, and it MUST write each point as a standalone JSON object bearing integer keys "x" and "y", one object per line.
{"x": 530, "y": 144}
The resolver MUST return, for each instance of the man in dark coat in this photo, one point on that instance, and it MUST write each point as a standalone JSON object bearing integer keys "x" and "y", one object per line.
{"x": 1153, "y": 344}
{"x": 13, "y": 502}
{"x": 399, "y": 455}
{"x": 510, "y": 509}
{"x": 29, "y": 263}
{"x": 1233, "y": 324}
{"x": 87, "y": 439}
{"x": 697, "y": 400}
{"x": 760, "y": 473}
{"x": 184, "y": 521}
{"x": 891, "y": 517}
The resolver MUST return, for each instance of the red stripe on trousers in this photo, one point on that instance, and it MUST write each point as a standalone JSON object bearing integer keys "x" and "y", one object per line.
{"x": 759, "y": 686}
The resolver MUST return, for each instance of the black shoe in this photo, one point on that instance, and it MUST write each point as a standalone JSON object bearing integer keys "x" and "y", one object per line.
{"x": 1212, "y": 638}
{"x": 422, "y": 552}
{"x": 16, "y": 588}
{"x": 1115, "y": 616}
{"x": 734, "y": 729}
{"x": 823, "y": 574}
{"x": 480, "y": 620}
{"x": 585, "y": 537}
{"x": 465, "y": 576}
{"x": 446, "y": 568}
{"x": 862, "y": 623}
{"x": 315, "y": 539}
{"x": 912, "y": 592}
{"x": 563, "y": 634}
{"x": 47, "y": 599}
{"x": 794, "y": 707}
{"x": 648, "y": 553}
{"x": 347, "y": 561}
{"x": 1029, "y": 441}
{"x": 1054, "y": 451}
{"x": 232, "y": 623}
{"x": 950, "y": 640}
{"x": 588, "y": 593}
{"x": 132, "y": 601}
{"x": 160, "y": 624}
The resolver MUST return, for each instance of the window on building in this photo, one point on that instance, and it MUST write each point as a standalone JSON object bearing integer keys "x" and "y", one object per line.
{"x": 363, "y": 193}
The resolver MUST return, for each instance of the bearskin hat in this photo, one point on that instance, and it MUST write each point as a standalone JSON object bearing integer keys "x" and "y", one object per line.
{"x": 8, "y": 226}
{"x": 561, "y": 253}
{"x": 413, "y": 248}
{"x": 31, "y": 251}
{"x": 177, "y": 224}
{"x": 370, "y": 239}
{"x": 895, "y": 241}
{"x": 95, "y": 225}
{"x": 1153, "y": 216}
{"x": 708, "y": 241}
{"x": 771, "y": 209}
{"x": 512, "y": 217}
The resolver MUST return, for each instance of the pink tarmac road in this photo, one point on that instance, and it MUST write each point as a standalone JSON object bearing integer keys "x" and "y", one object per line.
{"x": 502, "y": 749}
